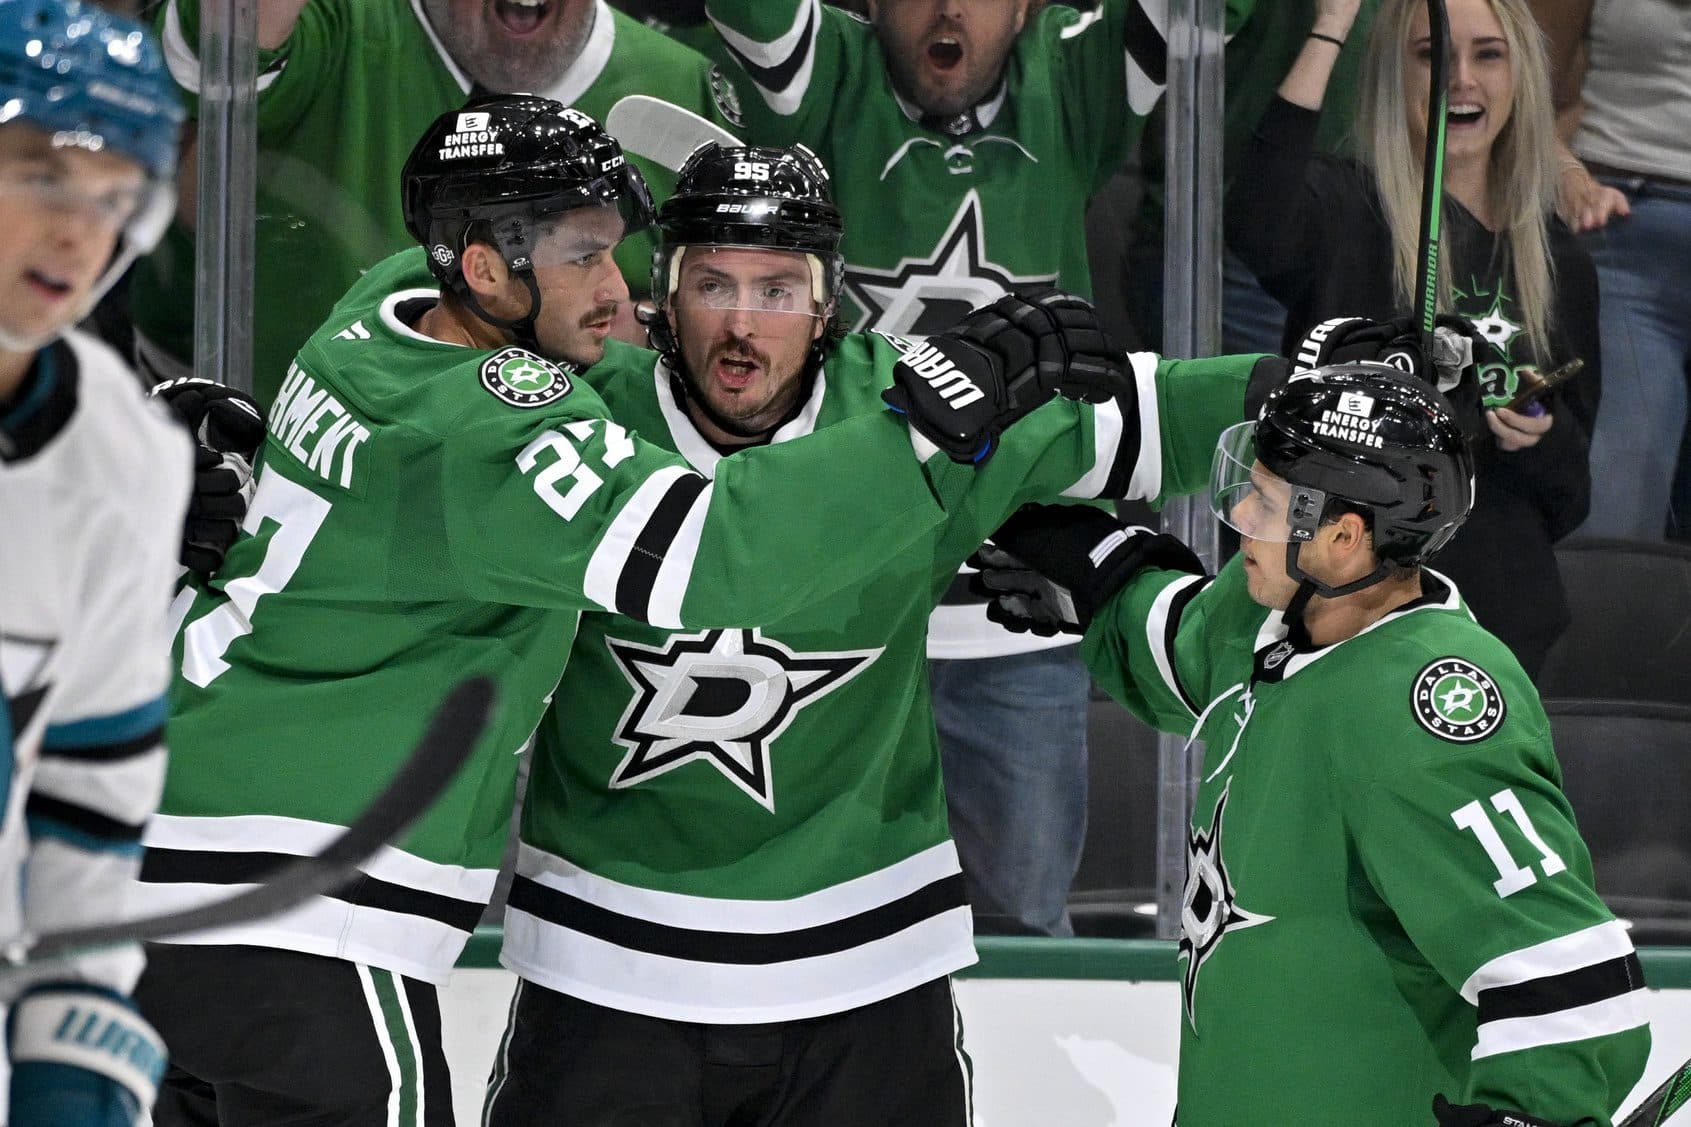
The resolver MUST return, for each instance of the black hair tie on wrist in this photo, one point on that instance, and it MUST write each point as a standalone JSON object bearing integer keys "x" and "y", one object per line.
{"x": 1327, "y": 39}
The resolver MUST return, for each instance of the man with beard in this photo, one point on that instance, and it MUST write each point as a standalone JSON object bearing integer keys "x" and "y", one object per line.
{"x": 965, "y": 137}
{"x": 345, "y": 87}
{"x": 441, "y": 493}
{"x": 736, "y": 898}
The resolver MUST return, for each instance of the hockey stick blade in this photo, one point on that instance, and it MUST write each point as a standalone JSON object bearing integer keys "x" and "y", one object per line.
{"x": 1660, "y": 1105}
{"x": 1432, "y": 172}
{"x": 662, "y": 132}
{"x": 446, "y": 744}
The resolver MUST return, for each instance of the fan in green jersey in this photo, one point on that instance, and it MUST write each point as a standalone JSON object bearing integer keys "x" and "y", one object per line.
{"x": 436, "y": 500}
{"x": 1387, "y": 896}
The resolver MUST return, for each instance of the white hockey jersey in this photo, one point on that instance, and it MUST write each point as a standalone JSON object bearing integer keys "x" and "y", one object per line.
{"x": 94, "y": 484}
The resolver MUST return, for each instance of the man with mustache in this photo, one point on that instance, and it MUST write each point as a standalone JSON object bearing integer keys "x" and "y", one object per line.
{"x": 966, "y": 137}
{"x": 736, "y": 895}
{"x": 345, "y": 87}
{"x": 442, "y": 493}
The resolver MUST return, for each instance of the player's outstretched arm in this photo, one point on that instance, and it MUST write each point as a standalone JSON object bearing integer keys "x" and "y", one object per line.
{"x": 791, "y": 62}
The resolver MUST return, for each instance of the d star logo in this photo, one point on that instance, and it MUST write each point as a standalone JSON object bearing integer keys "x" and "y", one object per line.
{"x": 923, "y": 296}
{"x": 721, "y": 697}
{"x": 1210, "y": 910}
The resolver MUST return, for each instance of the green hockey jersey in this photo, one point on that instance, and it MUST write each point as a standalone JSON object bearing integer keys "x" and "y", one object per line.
{"x": 946, "y": 216}
{"x": 427, "y": 511}
{"x": 747, "y": 825}
{"x": 1386, "y": 895}
{"x": 339, "y": 108}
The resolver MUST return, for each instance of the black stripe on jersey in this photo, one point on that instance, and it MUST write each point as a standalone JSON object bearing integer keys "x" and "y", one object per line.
{"x": 781, "y": 75}
{"x": 1146, "y": 45}
{"x": 1558, "y": 992}
{"x": 640, "y": 571}
{"x": 90, "y": 822}
{"x": 1171, "y": 628}
{"x": 106, "y": 752}
{"x": 1127, "y": 450}
{"x": 195, "y": 866}
{"x": 738, "y": 948}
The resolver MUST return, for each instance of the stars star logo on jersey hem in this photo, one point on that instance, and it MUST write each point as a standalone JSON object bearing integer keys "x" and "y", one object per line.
{"x": 1210, "y": 910}
{"x": 928, "y": 295}
{"x": 522, "y": 379}
{"x": 1458, "y": 701}
{"x": 721, "y": 697}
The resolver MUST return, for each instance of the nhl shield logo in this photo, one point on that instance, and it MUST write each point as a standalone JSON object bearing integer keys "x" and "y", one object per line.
{"x": 727, "y": 98}
{"x": 522, "y": 379}
{"x": 1456, "y": 700}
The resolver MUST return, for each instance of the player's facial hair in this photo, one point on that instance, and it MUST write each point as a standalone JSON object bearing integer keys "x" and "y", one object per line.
{"x": 500, "y": 64}
{"x": 695, "y": 394}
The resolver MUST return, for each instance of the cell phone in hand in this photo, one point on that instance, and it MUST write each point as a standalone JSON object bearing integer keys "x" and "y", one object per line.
{"x": 1547, "y": 383}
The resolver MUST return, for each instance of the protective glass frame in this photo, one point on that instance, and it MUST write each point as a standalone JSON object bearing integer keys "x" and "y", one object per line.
{"x": 742, "y": 299}
{"x": 1234, "y": 482}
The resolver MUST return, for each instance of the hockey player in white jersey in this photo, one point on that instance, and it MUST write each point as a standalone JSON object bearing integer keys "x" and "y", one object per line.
{"x": 93, "y": 487}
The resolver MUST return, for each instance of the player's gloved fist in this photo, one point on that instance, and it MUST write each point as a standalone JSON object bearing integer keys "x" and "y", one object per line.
{"x": 1482, "y": 1115}
{"x": 81, "y": 1057}
{"x": 1051, "y": 340}
{"x": 1050, "y": 567}
{"x": 1343, "y": 340}
{"x": 228, "y": 429}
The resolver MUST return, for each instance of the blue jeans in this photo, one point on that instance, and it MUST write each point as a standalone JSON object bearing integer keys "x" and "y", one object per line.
{"x": 1012, "y": 736}
{"x": 1644, "y": 277}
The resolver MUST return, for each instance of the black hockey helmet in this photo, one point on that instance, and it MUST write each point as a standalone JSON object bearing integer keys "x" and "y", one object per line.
{"x": 498, "y": 167}
{"x": 1365, "y": 435}
{"x": 749, "y": 196}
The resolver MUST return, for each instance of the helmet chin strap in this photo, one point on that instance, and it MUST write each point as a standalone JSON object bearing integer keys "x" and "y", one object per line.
{"x": 521, "y": 328}
{"x": 1309, "y": 586}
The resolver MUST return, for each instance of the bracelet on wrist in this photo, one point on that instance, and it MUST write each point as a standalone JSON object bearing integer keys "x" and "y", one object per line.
{"x": 1327, "y": 38}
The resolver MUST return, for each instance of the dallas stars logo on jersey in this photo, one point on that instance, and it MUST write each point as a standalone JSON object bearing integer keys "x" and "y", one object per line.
{"x": 924, "y": 296}
{"x": 722, "y": 697}
{"x": 1458, "y": 701}
{"x": 1210, "y": 910}
{"x": 522, "y": 379}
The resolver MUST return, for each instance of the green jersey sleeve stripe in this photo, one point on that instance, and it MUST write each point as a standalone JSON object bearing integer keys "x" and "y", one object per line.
{"x": 1582, "y": 987}
{"x": 1147, "y": 60}
{"x": 1146, "y": 483}
{"x": 1162, "y": 627}
{"x": 781, "y": 68}
{"x": 1595, "y": 944}
{"x": 627, "y": 536}
{"x": 1599, "y": 1019}
{"x": 669, "y": 521}
{"x": 184, "y": 60}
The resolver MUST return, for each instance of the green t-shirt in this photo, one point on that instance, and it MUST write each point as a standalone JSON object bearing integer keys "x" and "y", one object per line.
{"x": 427, "y": 511}
{"x": 1387, "y": 895}
{"x": 339, "y": 108}
{"x": 748, "y": 825}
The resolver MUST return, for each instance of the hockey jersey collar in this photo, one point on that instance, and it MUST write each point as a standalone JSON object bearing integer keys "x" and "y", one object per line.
{"x": 580, "y": 76}
{"x": 696, "y": 448}
{"x": 1280, "y": 656}
{"x": 971, "y": 120}
{"x": 41, "y": 406}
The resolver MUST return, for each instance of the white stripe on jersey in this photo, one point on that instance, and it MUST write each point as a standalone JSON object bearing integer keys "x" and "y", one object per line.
{"x": 1106, "y": 448}
{"x": 1598, "y": 1019}
{"x": 183, "y": 58}
{"x": 1156, "y": 635}
{"x": 1147, "y": 479}
{"x": 1596, "y": 944}
{"x": 689, "y": 990}
{"x": 273, "y": 833}
{"x": 663, "y": 608}
{"x": 379, "y": 1025}
{"x": 777, "y": 52}
{"x": 610, "y": 558}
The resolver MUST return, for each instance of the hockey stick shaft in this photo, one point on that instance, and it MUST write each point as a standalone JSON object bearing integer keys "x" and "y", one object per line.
{"x": 445, "y": 745}
{"x": 1432, "y": 172}
{"x": 1660, "y": 1105}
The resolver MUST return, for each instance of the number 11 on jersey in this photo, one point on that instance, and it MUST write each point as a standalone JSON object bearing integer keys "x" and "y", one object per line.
{"x": 1511, "y": 878}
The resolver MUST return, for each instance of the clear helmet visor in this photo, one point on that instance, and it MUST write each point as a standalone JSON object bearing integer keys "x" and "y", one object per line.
{"x": 754, "y": 280}
{"x": 1255, "y": 502}
{"x": 578, "y": 236}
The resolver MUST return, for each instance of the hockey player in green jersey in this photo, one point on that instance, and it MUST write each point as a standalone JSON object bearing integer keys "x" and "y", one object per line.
{"x": 345, "y": 88}
{"x": 736, "y": 886}
{"x": 441, "y": 493}
{"x": 965, "y": 138}
{"x": 1387, "y": 899}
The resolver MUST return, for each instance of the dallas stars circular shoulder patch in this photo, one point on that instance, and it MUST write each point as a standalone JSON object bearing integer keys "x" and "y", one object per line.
{"x": 522, "y": 379}
{"x": 1456, "y": 700}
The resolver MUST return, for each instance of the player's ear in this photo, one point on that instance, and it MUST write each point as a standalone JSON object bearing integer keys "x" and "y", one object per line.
{"x": 484, "y": 269}
{"x": 1021, "y": 14}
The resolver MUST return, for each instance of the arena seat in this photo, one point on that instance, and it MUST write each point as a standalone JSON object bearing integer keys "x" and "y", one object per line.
{"x": 1631, "y": 633}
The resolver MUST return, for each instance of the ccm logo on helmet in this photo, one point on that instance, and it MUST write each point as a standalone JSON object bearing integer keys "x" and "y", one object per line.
{"x": 942, "y": 375}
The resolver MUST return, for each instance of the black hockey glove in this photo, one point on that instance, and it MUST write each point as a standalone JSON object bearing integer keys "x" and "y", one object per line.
{"x": 1342, "y": 340}
{"x": 1050, "y": 567}
{"x": 1483, "y": 1115}
{"x": 961, "y": 388}
{"x": 228, "y": 429}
